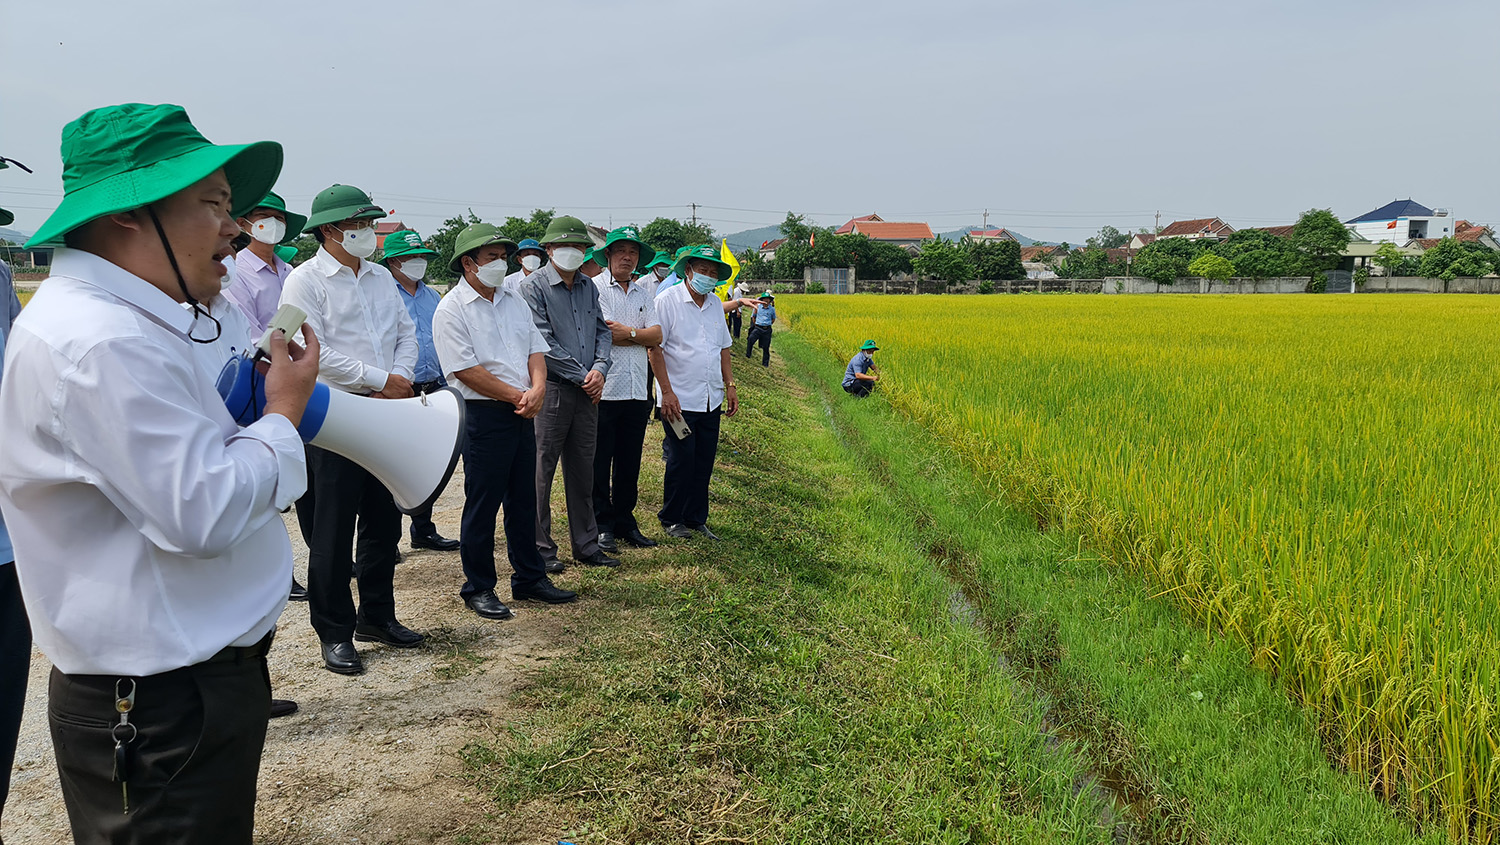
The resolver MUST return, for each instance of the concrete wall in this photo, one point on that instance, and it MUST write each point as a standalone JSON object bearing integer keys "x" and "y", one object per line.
{"x": 1414, "y": 284}
{"x": 1131, "y": 284}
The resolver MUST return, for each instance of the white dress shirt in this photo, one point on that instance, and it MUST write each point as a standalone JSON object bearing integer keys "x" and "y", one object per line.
{"x": 631, "y": 369}
{"x": 692, "y": 341}
{"x": 500, "y": 335}
{"x": 234, "y": 336}
{"x": 146, "y": 523}
{"x": 363, "y": 327}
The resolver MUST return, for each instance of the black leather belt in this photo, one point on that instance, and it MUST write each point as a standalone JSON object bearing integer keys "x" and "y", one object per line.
{"x": 426, "y": 386}
{"x": 241, "y": 653}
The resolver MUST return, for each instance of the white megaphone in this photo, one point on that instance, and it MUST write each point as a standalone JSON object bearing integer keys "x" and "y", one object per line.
{"x": 410, "y": 445}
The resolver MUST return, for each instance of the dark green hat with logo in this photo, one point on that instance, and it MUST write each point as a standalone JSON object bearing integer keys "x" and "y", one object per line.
{"x": 404, "y": 242}
{"x": 567, "y": 230}
{"x": 868, "y": 346}
{"x": 661, "y": 258}
{"x": 474, "y": 236}
{"x": 338, "y": 203}
{"x": 629, "y": 235}
{"x": 294, "y": 222}
{"x": 704, "y": 252}
{"x": 118, "y": 158}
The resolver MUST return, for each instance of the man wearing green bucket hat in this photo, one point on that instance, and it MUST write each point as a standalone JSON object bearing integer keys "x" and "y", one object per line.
{"x": 565, "y": 306}
{"x": 593, "y": 263}
{"x": 370, "y": 349}
{"x": 261, "y": 273}
{"x": 151, "y": 554}
{"x": 862, "y": 374}
{"x": 629, "y": 307}
{"x": 406, "y": 256}
{"x": 696, "y": 378}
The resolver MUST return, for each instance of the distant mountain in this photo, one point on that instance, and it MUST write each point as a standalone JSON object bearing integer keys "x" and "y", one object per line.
{"x": 752, "y": 238}
{"x": 959, "y": 233}
{"x": 13, "y": 235}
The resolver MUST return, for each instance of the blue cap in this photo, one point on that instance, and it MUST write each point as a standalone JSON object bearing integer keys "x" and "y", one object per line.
{"x": 529, "y": 243}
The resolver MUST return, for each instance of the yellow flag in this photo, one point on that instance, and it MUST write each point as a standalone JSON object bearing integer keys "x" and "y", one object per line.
{"x": 727, "y": 255}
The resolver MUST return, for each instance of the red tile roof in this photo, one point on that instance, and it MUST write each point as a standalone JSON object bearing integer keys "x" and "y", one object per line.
{"x": 1145, "y": 237}
{"x": 773, "y": 244}
{"x": 1463, "y": 230}
{"x": 1205, "y": 225}
{"x": 992, "y": 234}
{"x": 883, "y": 231}
{"x": 1036, "y": 253}
{"x": 849, "y": 227}
{"x": 1278, "y": 231}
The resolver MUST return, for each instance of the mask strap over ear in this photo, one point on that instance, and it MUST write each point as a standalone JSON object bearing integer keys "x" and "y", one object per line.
{"x": 198, "y": 309}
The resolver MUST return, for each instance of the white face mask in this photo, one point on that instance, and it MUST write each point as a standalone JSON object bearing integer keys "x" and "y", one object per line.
{"x": 231, "y": 272}
{"x": 661, "y": 271}
{"x": 531, "y": 261}
{"x": 414, "y": 268}
{"x": 360, "y": 243}
{"x": 268, "y": 230}
{"x": 568, "y": 258}
{"x": 493, "y": 273}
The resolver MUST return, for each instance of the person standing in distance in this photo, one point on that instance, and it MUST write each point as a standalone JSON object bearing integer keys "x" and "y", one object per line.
{"x": 531, "y": 257}
{"x": 369, "y": 349}
{"x": 149, "y": 545}
{"x": 760, "y": 328}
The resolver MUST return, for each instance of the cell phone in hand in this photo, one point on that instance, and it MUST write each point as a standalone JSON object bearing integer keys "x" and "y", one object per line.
{"x": 679, "y": 427}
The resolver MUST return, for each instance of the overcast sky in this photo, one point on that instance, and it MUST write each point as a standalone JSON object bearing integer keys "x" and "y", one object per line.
{"x": 1058, "y": 116}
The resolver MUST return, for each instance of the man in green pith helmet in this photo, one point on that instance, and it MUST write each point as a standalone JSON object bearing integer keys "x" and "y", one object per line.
{"x": 862, "y": 374}
{"x": 406, "y": 256}
{"x": 371, "y": 350}
{"x": 261, "y": 272}
{"x": 151, "y": 554}
{"x": 629, "y": 308}
{"x": 565, "y": 305}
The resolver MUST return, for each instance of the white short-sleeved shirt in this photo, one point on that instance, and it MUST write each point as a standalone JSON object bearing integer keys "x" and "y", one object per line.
{"x": 692, "y": 340}
{"x": 499, "y": 335}
{"x": 364, "y": 331}
{"x": 146, "y": 523}
{"x": 630, "y": 370}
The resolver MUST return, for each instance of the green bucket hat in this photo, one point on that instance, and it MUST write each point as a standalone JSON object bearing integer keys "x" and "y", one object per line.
{"x": 707, "y": 252}
{"x": 6, "y": 218}
{"x": 342, "y": 202}
{"x": 122, "y": 157}
{"x": 567, "y": 230}
{"x": 661, "y": 258}
{"x": 474, "y": 236}
{"x": 868, "y": 346}
{"x": 294, "y": 222}
{"x": 405, "y": 242}
{"x": 286, "y": 253}
{"x": 629, "y": 235}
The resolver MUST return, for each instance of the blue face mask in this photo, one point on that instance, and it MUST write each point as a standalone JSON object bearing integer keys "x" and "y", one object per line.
{"x": 702, "y": 284}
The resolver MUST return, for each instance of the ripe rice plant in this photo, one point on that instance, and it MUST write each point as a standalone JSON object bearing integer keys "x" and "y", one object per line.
{"x": 1314, "y": 476}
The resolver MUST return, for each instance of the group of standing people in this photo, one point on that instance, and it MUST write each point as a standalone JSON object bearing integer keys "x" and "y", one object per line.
{"x": 150, "y": 556}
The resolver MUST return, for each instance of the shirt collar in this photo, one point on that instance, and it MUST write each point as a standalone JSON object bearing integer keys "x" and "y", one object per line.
{"x": 254, "y": 263}
{"x": 330, "y": 266}
{"x": 683, "y": 294}
{"x": 467, "y": 294}
{"x": 122, "y": 284}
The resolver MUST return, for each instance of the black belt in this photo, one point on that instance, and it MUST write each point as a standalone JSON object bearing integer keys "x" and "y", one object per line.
{"x": 241, "y": 653}
{"x": 427, "y": 386}
{"x": 560, "y": 380}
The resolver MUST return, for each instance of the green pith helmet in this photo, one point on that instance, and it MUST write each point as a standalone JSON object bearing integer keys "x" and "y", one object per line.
{"x": 868, "y": 346}
{"x": 295, "y": 223}
{"x": 628, "y": 235}
{"x": 119, "y": 158}
{"x": 706, "y": 252}
{"x": 342, "y": 202}
{"x": 474, "y": 236}
{"x": 567, "y": 230}
{"x": 405, "y": 242}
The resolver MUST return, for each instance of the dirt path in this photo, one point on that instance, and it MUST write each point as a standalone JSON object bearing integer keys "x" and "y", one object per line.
{"x": 369, "y": 759}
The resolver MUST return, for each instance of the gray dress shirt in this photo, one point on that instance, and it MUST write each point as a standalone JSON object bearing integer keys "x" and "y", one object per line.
{"x": 571, "y": 323}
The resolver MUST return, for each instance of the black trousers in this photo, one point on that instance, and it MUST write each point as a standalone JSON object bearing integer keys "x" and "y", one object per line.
{"x": 499, "y": 470}
{"x": 192, "y": 766}
{"x": 859, "y": 389}
{"x": 617, "y": 463}
{"x": 344, "y": 497}
{"x": 690, "y": 467}
{"x": 15, "y": 666}
{"x": 734, "y": 322}
{"x": 761, "y": 335}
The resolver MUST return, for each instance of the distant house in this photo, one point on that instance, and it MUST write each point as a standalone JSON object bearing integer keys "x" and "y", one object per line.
{"x": 909, "y": 236}
{"x": 848, "y": 228}
{"x": 1278, "y": 231}
{"x": 1463, "y": 230}
{"x": 768, "y": 249}
{"x": 1402, "y": 221}
{"x": 1140, "y": 239}
{"x": 386, "y": 227}
{"x": 985, "y": 236}
{"x": 1039, "y": 253}
{"x": 1207, "y": 228}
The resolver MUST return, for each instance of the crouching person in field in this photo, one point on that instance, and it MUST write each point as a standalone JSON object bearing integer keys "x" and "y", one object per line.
{"x": 492, "y": 351}
{"x": 697, "y": 387}
{"x": 862, "y": 374}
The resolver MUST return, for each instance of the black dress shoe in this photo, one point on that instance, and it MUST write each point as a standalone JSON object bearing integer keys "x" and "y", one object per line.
{"x": 342, "y": 658}
{"x": 390, "y": 633}
{"x": 543, "y": 590}
{"x": 597, "y": 559}
{"x": 298, "y": 593}
{"x": 703, "y": 529}
{"x": 282, "y": 707}
{"x": 434, "y": 541}
{"x": 488, "y": 605}
{"x": 554, "y": 566}
{"x": 635, "y": 538}
{"x": 680, "y": 531}
{"x": 607, "y": 542}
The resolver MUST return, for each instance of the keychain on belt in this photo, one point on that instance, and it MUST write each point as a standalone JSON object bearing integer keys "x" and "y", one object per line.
{"x": 124, "y": 703}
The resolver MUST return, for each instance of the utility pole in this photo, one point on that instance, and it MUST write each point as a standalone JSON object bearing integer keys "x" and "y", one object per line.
{"x": 986, "y": 219}
{"x": 1158, "y": 223}
{"x": 695, "y": 212}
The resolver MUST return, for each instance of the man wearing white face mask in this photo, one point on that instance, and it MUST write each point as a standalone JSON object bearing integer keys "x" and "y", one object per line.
{"x": 531, "y": 256}
{"x": 261, "y": 273}
{"x": 565, "y": 305}
{"x": 371, "y": 350}
{"x": 406, "y": 257}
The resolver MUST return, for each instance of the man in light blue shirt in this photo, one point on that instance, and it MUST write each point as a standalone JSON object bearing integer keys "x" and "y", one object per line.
{"x": 406, "y": 257}
{"x": 760, "y": 329}
{"x": 861, "y": 374}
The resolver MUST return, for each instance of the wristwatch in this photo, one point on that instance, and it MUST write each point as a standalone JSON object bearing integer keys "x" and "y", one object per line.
{"x": 632, "y": 334}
